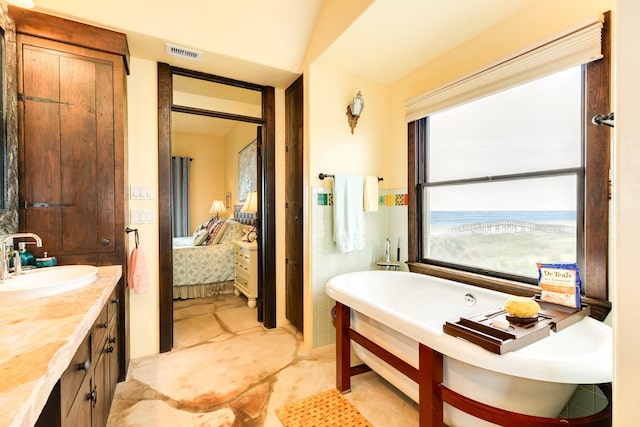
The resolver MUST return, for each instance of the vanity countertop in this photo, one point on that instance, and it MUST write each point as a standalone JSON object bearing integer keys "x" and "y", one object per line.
{"x": 38, "y": 338}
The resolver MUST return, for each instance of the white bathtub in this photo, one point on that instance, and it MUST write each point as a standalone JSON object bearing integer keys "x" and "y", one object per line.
{"x": 398, "y": 310}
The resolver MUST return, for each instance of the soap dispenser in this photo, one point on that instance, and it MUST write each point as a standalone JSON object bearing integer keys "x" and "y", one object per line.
{"x": 387, "y": 250}
{"x": 26, "y": 258}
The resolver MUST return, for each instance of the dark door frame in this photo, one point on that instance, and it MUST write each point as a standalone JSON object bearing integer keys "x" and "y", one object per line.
{"x": 266, "y": 194}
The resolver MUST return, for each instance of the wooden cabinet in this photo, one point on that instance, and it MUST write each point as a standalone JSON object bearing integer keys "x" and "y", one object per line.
{"x": 71, "y": 142}
{"x": 83, "y": 395}
{"x": 246, "y": 270}
{"x": 70, "y": 101}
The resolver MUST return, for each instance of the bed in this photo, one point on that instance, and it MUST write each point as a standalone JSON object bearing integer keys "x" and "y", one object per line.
{"x": 206, "y": 269}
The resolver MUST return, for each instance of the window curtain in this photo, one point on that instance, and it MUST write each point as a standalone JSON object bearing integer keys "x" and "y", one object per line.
{"x": 180, "y": 191}
{"x": 575, "y": 47}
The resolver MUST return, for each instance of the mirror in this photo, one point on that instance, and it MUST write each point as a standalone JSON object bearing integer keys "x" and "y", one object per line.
{"x": 8, "y": 125}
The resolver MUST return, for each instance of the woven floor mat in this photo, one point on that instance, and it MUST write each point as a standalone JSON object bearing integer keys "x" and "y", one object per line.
{"x": 326, "y": 409}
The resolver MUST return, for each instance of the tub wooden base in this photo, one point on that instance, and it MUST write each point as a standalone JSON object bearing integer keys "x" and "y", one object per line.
{"x": 432, "y": 393}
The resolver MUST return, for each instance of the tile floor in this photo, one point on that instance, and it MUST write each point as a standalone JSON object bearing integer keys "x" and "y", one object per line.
{"x": 227, "y": 370}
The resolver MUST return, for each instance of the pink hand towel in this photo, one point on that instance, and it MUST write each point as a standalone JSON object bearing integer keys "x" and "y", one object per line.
{"x": 138, "y": 277}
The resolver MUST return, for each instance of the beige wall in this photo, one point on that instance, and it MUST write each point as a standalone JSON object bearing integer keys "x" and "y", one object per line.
{"x": 207, "y": 171}
{"x": 331, "y": 148}
{"x": 142, "y": 160}
{"x": 626, "y": 234}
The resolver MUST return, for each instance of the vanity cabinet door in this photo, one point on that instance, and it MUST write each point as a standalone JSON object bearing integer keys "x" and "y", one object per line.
{"x": 83, "y": 395}
{"x": 68, "y": 147}
{"x": 72, "y": 379}
{"x": 102, "y": 399}
{"x": 82, "y": 407}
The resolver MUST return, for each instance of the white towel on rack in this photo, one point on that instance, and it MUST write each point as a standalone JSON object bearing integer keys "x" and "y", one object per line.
{"x": 370, "y": 201}
{"x": 348, "y": 215}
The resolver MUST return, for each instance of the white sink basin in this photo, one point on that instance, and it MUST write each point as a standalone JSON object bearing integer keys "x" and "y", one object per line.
{"x": 48, "y": 281}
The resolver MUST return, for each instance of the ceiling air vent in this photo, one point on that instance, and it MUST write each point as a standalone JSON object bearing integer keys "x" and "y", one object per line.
{"x": 184, "y": 52}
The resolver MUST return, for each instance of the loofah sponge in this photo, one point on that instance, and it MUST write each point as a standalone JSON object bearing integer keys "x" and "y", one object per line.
{"x": 522, "y": 307}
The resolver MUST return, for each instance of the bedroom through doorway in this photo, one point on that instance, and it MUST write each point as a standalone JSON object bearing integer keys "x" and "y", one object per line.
{"x": 214, "y": 172}
{"x": 215, "y": 168}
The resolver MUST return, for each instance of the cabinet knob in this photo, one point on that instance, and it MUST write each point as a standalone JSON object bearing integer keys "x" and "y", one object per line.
{"x": 105, "y": 242}
{"x": 93, "y": 396}
{"x": 84, "y": 366}
{"x": 114, "y": 301}
{"x": 112, "y": 340}
{"x": 109, "y": 349}
{"x": 103, "y": 325}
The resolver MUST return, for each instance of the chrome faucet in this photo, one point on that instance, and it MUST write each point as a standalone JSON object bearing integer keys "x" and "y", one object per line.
{"x": 4, "y": 266}
{"x": 6, "y": 248}
{"x": 8, "y": 238}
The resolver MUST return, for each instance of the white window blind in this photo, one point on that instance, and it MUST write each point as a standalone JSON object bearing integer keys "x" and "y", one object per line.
{"x": 576, "y": 47}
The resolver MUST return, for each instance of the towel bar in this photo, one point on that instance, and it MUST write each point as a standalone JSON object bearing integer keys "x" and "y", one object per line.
{"x": 326, "y": 175}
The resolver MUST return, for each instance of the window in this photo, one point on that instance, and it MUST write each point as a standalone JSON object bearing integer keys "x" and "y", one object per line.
{"x": 503, "y": 179}
{"x": 506, "y": 169}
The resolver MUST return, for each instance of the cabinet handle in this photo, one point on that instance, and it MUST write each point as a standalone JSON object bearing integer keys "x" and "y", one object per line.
{"x": 109, "y": 349}
{"x": 112, "y": 340}
{"x": 103, "y": 325}
{"x": 84, "y": 366}
{"x": 114, "y": 301}
{"x": 93, "y": 396}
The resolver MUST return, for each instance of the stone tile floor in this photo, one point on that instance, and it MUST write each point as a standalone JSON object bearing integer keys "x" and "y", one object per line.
{"x": 227, "y": 370}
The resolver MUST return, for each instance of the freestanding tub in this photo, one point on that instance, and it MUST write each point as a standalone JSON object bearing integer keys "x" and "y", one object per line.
{"x": 403, "y": 314}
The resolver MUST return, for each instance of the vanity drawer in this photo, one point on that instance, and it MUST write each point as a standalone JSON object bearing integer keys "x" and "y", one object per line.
{"x": 99, "y": 332}
{"x": 112, "y": 303}
{"x": 72, "y": 378}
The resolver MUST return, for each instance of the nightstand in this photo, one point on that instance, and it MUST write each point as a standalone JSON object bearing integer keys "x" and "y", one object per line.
{"x": 246, "y": 270}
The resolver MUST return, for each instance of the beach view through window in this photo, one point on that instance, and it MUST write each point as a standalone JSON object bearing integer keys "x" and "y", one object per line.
{"x": 503, "y": 175}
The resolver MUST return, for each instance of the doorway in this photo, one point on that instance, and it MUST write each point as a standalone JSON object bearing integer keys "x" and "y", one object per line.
{"x": 263, "y": 119}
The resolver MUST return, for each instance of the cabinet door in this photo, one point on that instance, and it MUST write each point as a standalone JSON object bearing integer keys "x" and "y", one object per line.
{"x": 67, "y": 163}
{"x": 81, "y": 409}
{"x": 102, "y": 390}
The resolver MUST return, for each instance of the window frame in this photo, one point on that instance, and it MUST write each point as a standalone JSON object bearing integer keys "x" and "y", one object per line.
{"x": 596, "y": 195}
{"x": 577, "y": 171}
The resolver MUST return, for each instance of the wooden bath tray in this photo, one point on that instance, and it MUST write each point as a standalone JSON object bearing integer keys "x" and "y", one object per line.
{"x": 478, "y": 329}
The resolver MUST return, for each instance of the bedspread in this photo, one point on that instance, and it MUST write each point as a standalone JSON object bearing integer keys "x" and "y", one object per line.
{"x": 195, "y": 265}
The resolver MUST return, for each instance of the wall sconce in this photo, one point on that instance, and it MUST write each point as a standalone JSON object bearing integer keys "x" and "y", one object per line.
{"x": 354, "y": 109}
{"x": 216, "y": 207}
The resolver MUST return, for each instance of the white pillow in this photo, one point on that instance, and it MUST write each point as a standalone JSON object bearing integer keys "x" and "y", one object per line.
{"x": 201, "y": 237}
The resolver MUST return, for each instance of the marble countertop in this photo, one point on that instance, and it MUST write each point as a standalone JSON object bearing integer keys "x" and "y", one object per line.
{"x": 38, "y": 338}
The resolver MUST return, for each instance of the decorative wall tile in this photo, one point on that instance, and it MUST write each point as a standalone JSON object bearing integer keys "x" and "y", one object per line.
{"x": 322, "y": 199}
{"x": 325, "y": 199}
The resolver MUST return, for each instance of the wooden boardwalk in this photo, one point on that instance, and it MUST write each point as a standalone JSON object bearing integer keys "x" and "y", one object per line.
{"x": 511, "y": 226}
